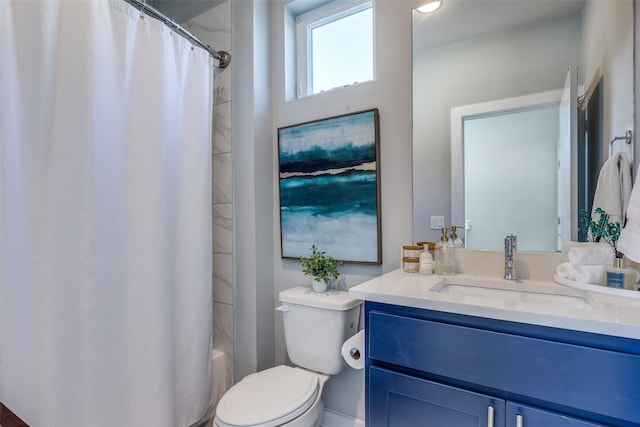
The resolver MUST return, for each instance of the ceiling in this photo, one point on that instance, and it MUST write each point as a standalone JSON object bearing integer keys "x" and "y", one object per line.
{"x": 456, "y": 20}
{"x": 183, "y": 10}
{"x": 461, "y": 19}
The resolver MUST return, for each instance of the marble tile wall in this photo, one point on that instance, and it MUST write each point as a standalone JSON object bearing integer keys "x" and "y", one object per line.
{"x": 214, "y": 28}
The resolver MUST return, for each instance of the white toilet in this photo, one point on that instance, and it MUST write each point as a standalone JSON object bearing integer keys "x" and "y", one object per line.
{"x": 315, "y": 326}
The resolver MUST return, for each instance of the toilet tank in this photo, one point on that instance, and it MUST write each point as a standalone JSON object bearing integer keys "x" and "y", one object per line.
{"x": 316, "y": 324}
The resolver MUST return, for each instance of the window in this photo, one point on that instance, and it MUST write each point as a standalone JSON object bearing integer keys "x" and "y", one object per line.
{"x": 334, "y": 46}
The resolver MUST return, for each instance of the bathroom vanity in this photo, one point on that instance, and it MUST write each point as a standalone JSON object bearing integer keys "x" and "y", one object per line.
{"x": 470, "y": 351}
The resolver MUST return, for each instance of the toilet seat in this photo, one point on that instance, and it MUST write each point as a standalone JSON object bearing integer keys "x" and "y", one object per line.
{"x": 268, "y": 398}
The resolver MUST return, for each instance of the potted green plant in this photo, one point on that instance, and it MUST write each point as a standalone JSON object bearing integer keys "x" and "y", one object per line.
{"x": 321, "y": 267}
{"x": 601, "y": 229}
{"x": 616, "y": 275}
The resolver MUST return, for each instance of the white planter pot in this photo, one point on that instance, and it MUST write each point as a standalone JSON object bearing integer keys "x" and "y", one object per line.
{"x": 318, "y": 286}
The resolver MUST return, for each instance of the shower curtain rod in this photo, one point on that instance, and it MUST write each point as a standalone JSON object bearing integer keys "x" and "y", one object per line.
{"x": 143, "y": 7}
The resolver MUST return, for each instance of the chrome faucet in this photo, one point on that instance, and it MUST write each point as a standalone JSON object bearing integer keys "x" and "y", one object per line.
{"x": 510, "y": 247}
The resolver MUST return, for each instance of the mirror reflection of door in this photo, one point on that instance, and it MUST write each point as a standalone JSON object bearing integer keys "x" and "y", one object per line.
{"x": 567, "y": 155}
{"x": 510, "y": 166}
{"x": 590, "y": 153}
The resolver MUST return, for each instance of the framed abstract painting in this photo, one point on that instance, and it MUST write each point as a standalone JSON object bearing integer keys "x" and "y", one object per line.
{"x": 330, "y": 187}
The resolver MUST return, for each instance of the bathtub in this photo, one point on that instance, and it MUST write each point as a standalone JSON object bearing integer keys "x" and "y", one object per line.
{"x": 221, "y": 381}
{"x": 221, "y": 376}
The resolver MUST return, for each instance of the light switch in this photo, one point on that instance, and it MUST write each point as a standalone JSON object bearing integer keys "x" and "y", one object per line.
{"x": 437, "y": 222}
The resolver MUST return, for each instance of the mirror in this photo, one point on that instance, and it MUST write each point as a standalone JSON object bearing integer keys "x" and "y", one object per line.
{"x": 481, "y": 52}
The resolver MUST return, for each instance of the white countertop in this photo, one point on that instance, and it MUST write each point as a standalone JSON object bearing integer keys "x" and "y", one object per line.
{"x": 602, "y": 313}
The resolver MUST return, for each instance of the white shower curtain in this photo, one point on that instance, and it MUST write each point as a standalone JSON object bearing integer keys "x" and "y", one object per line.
{"x": 105, "y": 217}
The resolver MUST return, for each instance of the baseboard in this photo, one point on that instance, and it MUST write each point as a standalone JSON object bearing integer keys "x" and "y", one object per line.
{"x": 333, "y": 419}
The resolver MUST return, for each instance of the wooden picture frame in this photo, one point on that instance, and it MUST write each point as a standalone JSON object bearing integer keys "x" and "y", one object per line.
{"x": 329, "y": 175}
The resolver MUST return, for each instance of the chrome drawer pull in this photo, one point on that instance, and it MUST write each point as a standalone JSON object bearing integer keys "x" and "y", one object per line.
{"x": 519, "y": 421}
{"x": 490, "y": 416}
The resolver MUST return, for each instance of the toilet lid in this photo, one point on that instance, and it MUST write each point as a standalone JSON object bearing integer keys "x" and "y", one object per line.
{"x": 268, "y": 398}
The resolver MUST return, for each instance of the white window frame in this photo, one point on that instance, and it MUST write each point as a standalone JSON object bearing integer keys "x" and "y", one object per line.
{"x": 306, "y": 22}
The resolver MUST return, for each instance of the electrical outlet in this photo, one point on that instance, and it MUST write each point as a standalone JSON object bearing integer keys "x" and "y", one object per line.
{"x": 437, "y": 222}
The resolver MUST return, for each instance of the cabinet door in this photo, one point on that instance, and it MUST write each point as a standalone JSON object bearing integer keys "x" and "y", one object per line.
{"x": 398, "y": 400}
{"x": 526, "y": 416}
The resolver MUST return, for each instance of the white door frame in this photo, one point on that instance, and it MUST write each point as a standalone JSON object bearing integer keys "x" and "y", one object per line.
{"x": 460, "y": 114}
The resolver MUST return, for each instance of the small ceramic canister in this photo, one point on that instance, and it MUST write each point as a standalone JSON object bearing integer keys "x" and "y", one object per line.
{"x": 410, "y": 264}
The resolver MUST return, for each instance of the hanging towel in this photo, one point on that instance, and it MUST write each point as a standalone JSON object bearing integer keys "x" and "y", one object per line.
{"x": 613, "y": 189}
{"x": 629, "y": 241}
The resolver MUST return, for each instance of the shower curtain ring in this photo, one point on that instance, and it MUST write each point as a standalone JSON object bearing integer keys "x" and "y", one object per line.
{"x": 142, "y": 7}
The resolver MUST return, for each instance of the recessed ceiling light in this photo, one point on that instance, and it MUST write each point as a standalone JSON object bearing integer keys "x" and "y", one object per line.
{"x": 431, "y": 6}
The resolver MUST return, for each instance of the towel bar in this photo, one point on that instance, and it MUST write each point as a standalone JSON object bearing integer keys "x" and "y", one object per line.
{"x": 628, "y": 137}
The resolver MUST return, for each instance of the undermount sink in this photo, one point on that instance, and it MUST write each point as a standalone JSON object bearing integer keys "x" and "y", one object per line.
{"x": 514, "y": 290}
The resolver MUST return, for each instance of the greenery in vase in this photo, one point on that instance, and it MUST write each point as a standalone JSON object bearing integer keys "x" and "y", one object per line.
{"x": 319, "y": 265}
{"x": 601, "y": 229}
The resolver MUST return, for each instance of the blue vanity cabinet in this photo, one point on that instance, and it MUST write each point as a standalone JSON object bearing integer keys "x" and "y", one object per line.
{"x": 519, "y": 415}
{"x": 430, "y": 368}
{"x": 399, "y": 400}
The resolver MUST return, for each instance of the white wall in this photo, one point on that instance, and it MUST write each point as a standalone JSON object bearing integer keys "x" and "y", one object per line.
{"x": 391, "y": 94}
{"x": 247, "y": 173}
{"x": 252, "y": 175}
{"x": 608, "y": 47}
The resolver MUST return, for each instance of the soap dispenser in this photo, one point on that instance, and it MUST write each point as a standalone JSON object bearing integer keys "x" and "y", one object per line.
{"x": 444, "y": 256}
{"x": 455, "y": 240}
{"x": 426, "y": 260}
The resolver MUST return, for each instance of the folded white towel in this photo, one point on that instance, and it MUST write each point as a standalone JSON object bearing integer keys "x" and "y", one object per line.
{"x": 566, "y": 246}
{"x": 613, "y": 189}
{"x": 565, "y": 270}
{"x": 596, "y": 255}
{"x": 590, "y": 274}
{"x": 629, "y": 242}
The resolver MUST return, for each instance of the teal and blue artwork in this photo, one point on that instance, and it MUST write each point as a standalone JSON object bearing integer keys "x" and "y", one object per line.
{"x": 329, "y": 188}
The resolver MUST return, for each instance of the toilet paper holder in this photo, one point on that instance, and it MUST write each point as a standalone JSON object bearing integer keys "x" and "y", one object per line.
{"x": 354, "y": 353}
